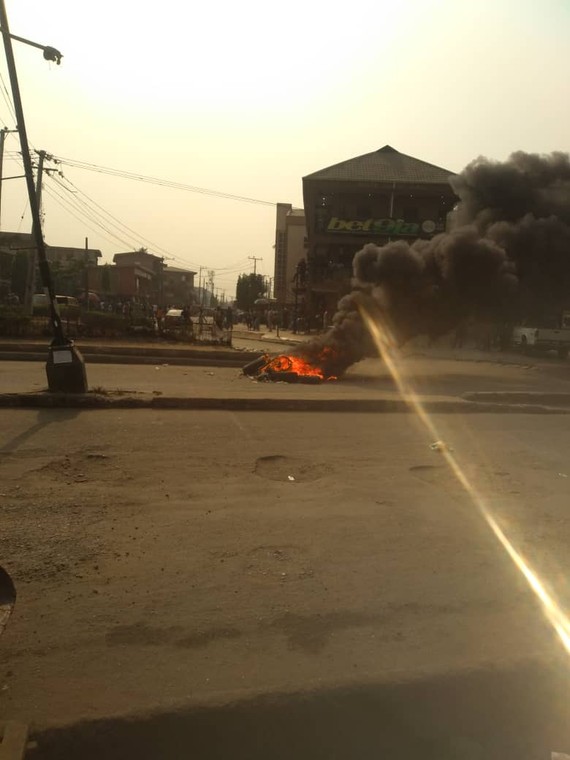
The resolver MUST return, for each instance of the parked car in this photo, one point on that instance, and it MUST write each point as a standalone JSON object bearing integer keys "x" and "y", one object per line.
{"x": 553, "y": 335}
{"x": 66, "y": 305}
{"x": 176, "y": 321}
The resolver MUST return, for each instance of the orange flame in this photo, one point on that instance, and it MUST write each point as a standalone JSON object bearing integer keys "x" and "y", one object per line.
{"x": 298, "y": 365}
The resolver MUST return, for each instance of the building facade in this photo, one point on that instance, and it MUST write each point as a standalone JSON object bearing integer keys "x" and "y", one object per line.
{"x": 139, "y": 275}
{"x": 178, "y": 286}
{"x": 380, "y": 196}
{"x": 19, "y": 271}
{"x": 290, "y": 249}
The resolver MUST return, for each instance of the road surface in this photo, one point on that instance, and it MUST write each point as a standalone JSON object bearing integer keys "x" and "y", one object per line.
{"x": 281, "y": 584}
{"x": 369, "y": 379}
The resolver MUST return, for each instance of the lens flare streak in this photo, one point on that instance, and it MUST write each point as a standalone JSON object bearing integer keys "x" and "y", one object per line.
{"x": 388, "y": 350}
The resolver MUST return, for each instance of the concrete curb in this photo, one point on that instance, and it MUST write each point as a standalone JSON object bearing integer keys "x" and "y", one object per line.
{"x": 519, "y": 397}
{"x": 100, "y": 401}
{"x": 212, "y": 360}
{"x": 154, "y": 349}
{"x": 261, "y": 337}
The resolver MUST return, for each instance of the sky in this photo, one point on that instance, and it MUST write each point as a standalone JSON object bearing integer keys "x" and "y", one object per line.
{"x": 247, "y": 98}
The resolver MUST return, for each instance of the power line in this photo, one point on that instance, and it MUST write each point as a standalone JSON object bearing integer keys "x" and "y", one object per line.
{"x": 61, "y": 201}
{"x": 162, "y": 182}
{"x": 23, "y": 215}
{"x": 255, "y": 259}
{"x": 72, "y": 201}
{"x": 119, "y": 224}
{"x": 89, "y": 212}
{"x": 7, "y": 98}
{"x": 96, "y": 217}
{"x": 71, "y": 207}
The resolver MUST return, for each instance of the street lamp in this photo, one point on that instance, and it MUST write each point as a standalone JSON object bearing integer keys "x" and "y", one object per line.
{"x": 65, "y": 367}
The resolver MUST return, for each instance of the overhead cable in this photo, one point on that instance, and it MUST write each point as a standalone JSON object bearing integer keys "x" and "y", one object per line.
{"x": 157, "y": 181}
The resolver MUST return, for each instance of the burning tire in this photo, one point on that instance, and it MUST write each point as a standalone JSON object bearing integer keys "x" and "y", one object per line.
{"x": 285, "y": 369}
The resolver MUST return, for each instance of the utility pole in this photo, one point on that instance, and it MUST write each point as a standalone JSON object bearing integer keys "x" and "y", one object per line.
{"x": 31, "y": 274}
{"x": 211, "y": 275}
{"x": 65, "y": 367}
{"x": 200, "y": 284}
{"x": 255, "y": 259}
{"x": 3, "y": 133}
{"x": 87, "y": 273}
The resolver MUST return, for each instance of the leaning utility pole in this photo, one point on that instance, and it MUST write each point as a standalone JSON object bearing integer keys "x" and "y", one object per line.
{"x": 31, "y": 273}
{"x": 87, "y": 273}
{"x": 3, "y": 133}
{"x": 65, "y": 367}
{"x": 255, "y": 259}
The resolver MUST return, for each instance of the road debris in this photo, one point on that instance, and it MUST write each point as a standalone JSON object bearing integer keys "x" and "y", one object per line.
{"x": 440, "y": 446}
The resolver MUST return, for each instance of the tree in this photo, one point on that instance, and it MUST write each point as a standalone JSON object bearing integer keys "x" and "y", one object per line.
{"x": 249, "y": 287}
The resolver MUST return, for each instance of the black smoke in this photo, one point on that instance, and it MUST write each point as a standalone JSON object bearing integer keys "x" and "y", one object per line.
{"x": 506, "y": 256}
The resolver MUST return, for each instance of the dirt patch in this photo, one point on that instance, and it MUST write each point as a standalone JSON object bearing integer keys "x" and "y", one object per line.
{"x": 79, "y": 468}
{"x": 311, "y": 633}
{"x": 283, "y": 563}
{"x": 141, "y": 634}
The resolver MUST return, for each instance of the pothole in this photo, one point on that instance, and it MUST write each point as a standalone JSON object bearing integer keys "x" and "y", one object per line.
{"x": 289, "y": 469}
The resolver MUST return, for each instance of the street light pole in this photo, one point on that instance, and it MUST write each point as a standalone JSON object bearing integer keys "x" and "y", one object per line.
{"x": 65, "y": 366}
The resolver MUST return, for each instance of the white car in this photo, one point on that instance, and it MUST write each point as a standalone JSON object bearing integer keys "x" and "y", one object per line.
{"x": 547, "y": 336}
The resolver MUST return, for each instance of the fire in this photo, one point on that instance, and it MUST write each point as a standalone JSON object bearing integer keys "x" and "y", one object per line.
{"x": 295, "y": 364}
{"x": 294, "y": 368}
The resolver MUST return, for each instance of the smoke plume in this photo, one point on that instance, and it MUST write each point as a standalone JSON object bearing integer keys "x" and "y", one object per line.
{"x": 506, "y": 256}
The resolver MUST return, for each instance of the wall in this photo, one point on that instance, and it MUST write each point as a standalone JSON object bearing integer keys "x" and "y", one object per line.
{"x": 296, "y": 251}
{"x": 290, "y": 248}
{"x": 280, "y": 270}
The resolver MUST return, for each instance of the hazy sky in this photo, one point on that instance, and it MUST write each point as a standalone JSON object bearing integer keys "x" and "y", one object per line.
{"x": 247, "y": 98}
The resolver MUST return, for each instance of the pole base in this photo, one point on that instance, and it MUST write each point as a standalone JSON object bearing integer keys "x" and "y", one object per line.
{"x": 65, "y": 369}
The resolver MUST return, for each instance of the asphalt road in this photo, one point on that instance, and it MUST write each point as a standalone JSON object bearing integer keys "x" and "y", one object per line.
{"x": 443, "y": 377}
{"x": 284, "y": 585}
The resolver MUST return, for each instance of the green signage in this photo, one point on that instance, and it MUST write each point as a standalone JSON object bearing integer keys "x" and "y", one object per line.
{"x": 381, "y": 227}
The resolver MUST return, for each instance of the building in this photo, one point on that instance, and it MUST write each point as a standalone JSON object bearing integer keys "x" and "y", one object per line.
{"x": 380, "y": 196}
{"x": 290, "y": 249}
{"x": 15, "y": 250}
{"x": 67, "y": 265}
{"x": 127, "y": 282}
{"x": 142, "y": 276}
{"x": 178, "y": 286}
{"x": 72, "y": 257}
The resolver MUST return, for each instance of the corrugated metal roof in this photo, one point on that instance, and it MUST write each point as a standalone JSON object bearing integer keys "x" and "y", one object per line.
{"x": 384, "y": 165}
